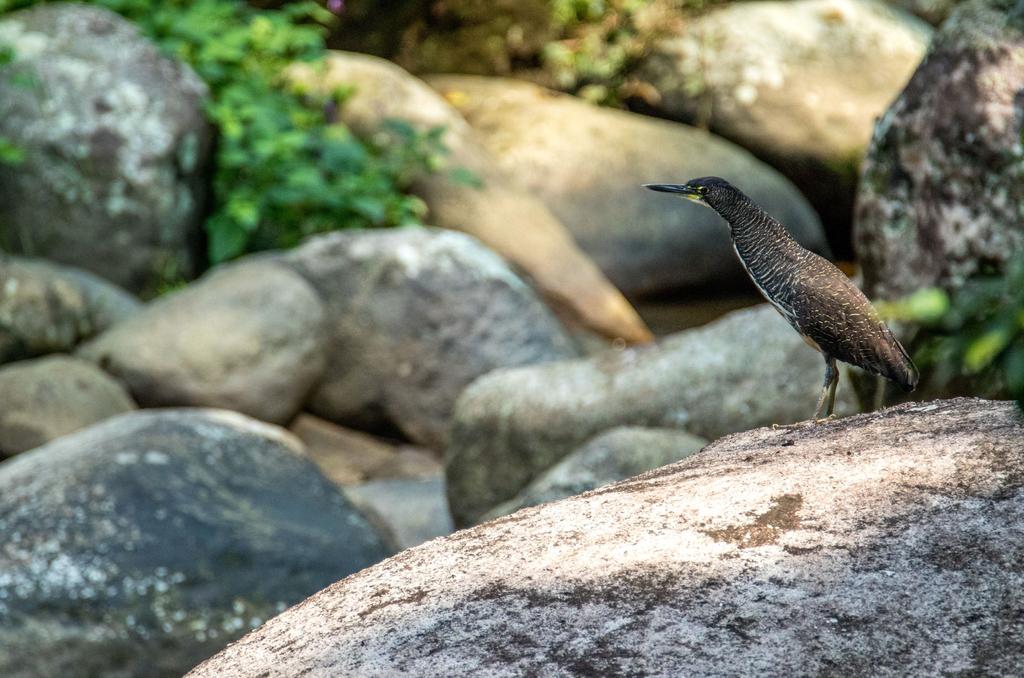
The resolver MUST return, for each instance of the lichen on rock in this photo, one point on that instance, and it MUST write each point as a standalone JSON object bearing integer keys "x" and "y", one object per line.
{"x": 115, "y": 141}
{"x": 942, "y": 191}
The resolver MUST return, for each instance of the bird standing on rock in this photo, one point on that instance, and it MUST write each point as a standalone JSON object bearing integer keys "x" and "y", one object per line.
{"x": 815, "y": 297}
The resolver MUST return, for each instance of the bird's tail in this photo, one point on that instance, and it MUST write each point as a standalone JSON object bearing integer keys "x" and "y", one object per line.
{"x": 902, "y": 370}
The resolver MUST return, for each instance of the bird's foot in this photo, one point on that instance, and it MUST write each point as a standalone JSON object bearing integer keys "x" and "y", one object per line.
{"x": 822, "y": 420}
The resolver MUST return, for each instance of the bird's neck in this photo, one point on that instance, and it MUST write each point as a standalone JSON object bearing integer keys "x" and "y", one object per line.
{"x": 751, "y": 227}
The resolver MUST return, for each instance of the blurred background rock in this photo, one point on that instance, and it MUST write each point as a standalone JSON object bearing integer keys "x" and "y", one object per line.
{"x": 402, "y": 248}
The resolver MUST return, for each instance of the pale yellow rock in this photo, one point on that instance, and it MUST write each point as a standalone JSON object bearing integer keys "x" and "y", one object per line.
{"x": 497, "y": 211}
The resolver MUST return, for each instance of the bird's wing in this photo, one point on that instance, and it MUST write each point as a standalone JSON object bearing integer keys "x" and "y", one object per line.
{"x": 836, "y": 315}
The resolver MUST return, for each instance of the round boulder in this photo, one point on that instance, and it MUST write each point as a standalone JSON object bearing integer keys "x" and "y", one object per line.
{"x": 115, "y": 141}
{"x": 140, "y": 546}
{"x": 798, "y": 83}
{"x": 47, "y": 308}
{"x": 248, "y": 337}
{"x": 49, "y": 397}
{"x": 414, "y": 316}
{"x": 943, "y": 185}
{"x": 588, "y": 163}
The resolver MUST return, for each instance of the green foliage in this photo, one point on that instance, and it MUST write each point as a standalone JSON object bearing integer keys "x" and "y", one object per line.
{"x": 602, "y": 40}
{"x": 10, "y": 154}
{"x": 977, "y": 332}
{"x": 285, "y": 167}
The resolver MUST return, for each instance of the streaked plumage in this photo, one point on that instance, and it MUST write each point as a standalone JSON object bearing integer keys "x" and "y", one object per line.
{"x": 817, "y": 299}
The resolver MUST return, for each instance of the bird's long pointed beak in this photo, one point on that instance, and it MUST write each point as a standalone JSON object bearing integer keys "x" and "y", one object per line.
{"x": 682, "y": 190}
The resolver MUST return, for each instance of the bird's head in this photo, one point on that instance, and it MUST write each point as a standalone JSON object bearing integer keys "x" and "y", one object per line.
{"x": 711, "y": 192}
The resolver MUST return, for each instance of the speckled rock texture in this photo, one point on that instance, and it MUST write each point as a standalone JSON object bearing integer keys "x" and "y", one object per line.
{"x": 248, "y": 337}
{"x": 748, "y": 369}
{"x": 943, "y": 187}
{"x": 142, "y": 545}
{"x": 493, "y": 206}
{"x": 798, "y": 83}
{"x": 116, "y": 147}
{"x": 46, "y": 398}
{"x": 47, "y": 308}
{"x": 620, "y": 453}
{"x": 414, "y": 315}
{"x": 588, "y": 163}
{"x": 879, "y": 545}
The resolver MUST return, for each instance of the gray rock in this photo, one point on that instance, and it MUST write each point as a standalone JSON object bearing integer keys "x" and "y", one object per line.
{"x": 141, "y": 545}
{"x": 49, "y": 397}
{"x": 415, "y": 315}
{"x": 748, "y": 369}
{"x": 248, "y": 337}
{"x": 943, "y": 184}
{"x": 412, "y": 511}
{"x": 47, "y": 308}
{"x": 881, "y": 545}
{"x": 616, "y": 455}
{"x": 115, "y": 142}
{"x": 588, "y": 163}
{"x": 492, "y": 207}
{"x": 798, "y": 83}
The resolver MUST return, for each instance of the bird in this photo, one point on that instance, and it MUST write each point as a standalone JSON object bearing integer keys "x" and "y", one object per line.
{"x": 817, "y": 299}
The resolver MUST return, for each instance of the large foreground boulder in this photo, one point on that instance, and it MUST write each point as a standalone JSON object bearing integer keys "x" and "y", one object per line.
{"x": 48, "y": 308}
{"x": 115, "y": 143}
{"x": 748, "y": 369}
{"x": 46, "y": 398}
{"x": 798, "y": 83}
{"x": 943, "y": 185}
{"x": 141, "y": 545}
{"x": 414, "y": 316}
{"x": 488, "y": 203}
{"x": 249, "y": 337}
{"x": 588, "y": 163}
{"x": 884, "y": 544}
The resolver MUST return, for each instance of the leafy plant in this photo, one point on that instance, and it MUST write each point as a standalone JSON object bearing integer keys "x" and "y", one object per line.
{"x": 285, "y": 167}
{"x": 10, "y": 153}
{"x": 602, "y": 40}
{"x": 976, "y": 332}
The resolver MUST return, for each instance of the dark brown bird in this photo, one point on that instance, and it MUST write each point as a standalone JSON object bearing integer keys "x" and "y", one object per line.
{"x": 817, "y": 299}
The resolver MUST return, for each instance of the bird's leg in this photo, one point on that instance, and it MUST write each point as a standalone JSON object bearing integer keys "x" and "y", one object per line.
{"x": 832, "y": 387}
{"x": 830, "y": 378}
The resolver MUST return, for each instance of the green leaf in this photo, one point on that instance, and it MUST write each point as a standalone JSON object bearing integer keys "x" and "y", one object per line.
{"x": 981, "y": 352}
{"x": 466, "y": 177}
{"x": 10, "y": 154}
{"x": 226, "y": 240}
{"x": 925, "y": 306}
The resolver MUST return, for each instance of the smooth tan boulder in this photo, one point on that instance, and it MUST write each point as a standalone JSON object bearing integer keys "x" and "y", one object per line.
{"x": 495, "y": 208}
{"x": 588, "y": 164}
